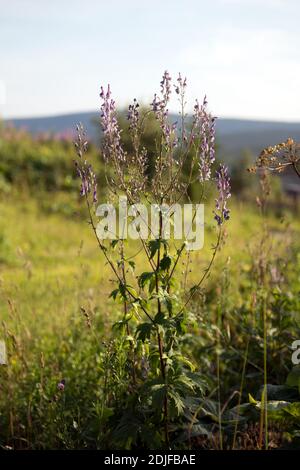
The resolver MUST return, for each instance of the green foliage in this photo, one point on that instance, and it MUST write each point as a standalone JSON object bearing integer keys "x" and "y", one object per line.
{"x": 41, "y": 163}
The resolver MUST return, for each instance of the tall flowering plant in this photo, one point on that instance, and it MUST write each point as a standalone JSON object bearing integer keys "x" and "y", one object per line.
{"x": 156, "y": 307}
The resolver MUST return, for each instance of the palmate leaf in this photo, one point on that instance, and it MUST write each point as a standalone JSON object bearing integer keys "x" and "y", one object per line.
{"x": 165, "y": 263}
{"x": 185, "y": 383}
{"x": 147, "y": 278}
{"x": 159, "y": 318}
{"x": 144, "y": 331}
{"x": 123, "y": 291}
{"x": 176, "y": 401}
{"x": 114, "y": 293}
{"x": 198, "y": 380}
{"x": 153, "y": 246}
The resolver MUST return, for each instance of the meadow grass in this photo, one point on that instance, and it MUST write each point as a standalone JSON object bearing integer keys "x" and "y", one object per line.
{"x": 49, "y": 259}
{"x": 50, "y": 268}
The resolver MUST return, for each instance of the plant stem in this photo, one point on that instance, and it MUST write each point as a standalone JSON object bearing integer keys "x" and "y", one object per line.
{"x": 159, "y": 339}
{"x": 240, "y": 393}
{"x": 125, "y": 313}
{"x": 296, "y": 169}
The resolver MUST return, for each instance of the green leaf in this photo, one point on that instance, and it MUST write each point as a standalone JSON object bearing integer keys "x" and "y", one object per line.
{"x": 132, "y": 265}
{"x": 114, "y": 243}
{"x": 152, "y": 284}
{"x": 143, "y": 331}
{"x": 127, "y": 289}
{"x": 159, "y": 318}
{"x": 145, "y": 278}
{"x": 251, "y": 399}
{"x": 294, "y": 410}
{"x": 131, "y": 291}
{"x": 176, "y": 401}
{"x": 153, "y": 246}
{"x": 119, "y": 325}
{"x": 107, "y": 412}
{"x": 274, "y": 408}
{"x": 114, "y": 293}
{"x": 165, "y": 263}
{"x": 293, "y": 378}
{"x": 184, "y": 360}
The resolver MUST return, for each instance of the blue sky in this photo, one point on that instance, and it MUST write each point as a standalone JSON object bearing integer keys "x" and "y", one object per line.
{"x": 244, "y": 54}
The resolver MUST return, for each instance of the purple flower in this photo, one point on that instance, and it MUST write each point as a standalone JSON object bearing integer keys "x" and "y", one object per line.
{"x": 112, "y": 134}
{"x": 223, "y": 185}
{"x": 61, "y": 385}
{"x": 83, "y": 168}
{"x": 204, "y": 129}
{"x": 133, "y": 115}
{"x": 88, "y": 179}
{"x": 159, "y": 107}
{"x": 165, "y": 86}
{"x": 181, "y": 85}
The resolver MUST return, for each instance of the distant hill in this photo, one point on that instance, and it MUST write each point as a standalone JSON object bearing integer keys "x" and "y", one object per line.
{"x": 59, "y": 124}
{"x": 234, "y": 135}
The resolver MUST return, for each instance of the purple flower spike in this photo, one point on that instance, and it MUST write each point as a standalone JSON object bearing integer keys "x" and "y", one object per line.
{"x": 221, "y": 212}
{"x": 83, "y": 168}
{"x": 112, "y": 134}
{"x": 133, "y": 115}
{"x": 181, "y": 85}
{"x": 165, "y": 86}
{"x": 204, "y": 125}
{"x": 159, "y": 107}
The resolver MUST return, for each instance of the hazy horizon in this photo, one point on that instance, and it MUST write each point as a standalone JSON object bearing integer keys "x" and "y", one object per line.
{"x": 95, "y": 111}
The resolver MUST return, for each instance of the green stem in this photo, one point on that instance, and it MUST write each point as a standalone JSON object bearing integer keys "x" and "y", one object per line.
{"x": 240, "y": 394}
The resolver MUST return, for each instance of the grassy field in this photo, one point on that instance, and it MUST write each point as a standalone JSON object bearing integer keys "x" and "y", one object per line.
{"x": 48, "y": 258}
{"x": 52, "y": 273}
